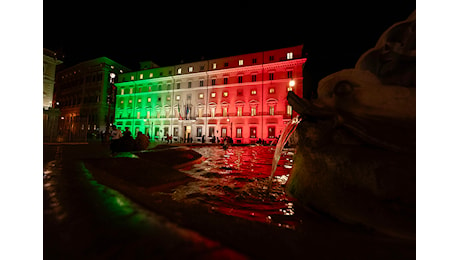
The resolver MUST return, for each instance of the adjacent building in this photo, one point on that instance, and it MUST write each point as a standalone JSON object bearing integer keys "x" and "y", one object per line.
{"x": 81, "y": 95}
{"x": 242, "y": 96}
{"x": 50, "y": 114}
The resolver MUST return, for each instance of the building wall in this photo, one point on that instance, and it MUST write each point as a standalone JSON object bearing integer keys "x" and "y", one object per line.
{"x": 50, "y": 114}
{"x": 81, "y": 95}
{"x": 208, "y": 95}
{"x": 49, "y": 72}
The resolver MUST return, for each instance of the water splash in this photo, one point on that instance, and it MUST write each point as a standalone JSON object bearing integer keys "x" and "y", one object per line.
{"x": 287, "y": 132}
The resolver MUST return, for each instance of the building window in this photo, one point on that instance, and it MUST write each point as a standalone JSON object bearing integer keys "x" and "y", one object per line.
{"x": 211, "y": 131}
{"x": 178, "y": 86}
{"x": 199, "y": 131}
{"x": 289, "y": 55}
{"x": 168, "y": 98}
{"x": 213, "y": 111}
{"x": 271, "y": 90}
{"x": 271, "y": 110}
{"x": 239, "y": 111}
{"x": 179, "y": 71}
{"x": 271, "y": 58}
{"x": 132, "y": 77}
{"x": 224, "y": 111}
{"x": 240, "y": 62}
{"x": 289, "y": 110}
{"x": 225, "y": 80}
{"x": 240, "y": 79}
{"x": 176, "y": 131}
{"x": 200, "y": 112}
{"x": 130, "y": 101}
{"x": 149, "y": 100}
{"x": 225, "y": 93}
{"x": 139, "y": 100}
{"x": 226, "y": 64}
{"x": 254, "y": 61}
{"x": 151, "y": 75}
{"x": 141, "y": 76}
{"x": 201, "y": 67}
{"x": 130, "y": 91}
{"x": 140, "y": 90}
{"x": 201, "y": 95}
{"x": 213, "y": 82}
{"x": 239, "y": 132}
{"x": 178, "y": 97}
{"x": 148, "y": 114}
{"x": 253, "y": 111}
{"x": 214, "y": 65}
{"x": 271, "y": 76}
{"x": 254, "y": 78}
{"x": 289, "y": 74}
{"x": 271, "y": 132}
{"x": 239, "y": 92}
{"x": 189, "y": 97}
{"x": 190, "y": 69}
{"x": 223, "y": 132}
{"x": 189, "y": 84}
{"x": 213, "y": 94}
{"x": 121, "y": 102}
{"x": 253, "y": 92}
{"x": 253, "y": 132}
{"x": 138, "y": 115}
{"x": 150, "y": 88}
{"x": 201, "y": 82}
{"x": 122, "y": 92}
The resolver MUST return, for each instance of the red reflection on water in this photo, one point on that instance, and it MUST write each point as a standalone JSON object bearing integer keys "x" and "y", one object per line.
{"x": 234, "y": 182}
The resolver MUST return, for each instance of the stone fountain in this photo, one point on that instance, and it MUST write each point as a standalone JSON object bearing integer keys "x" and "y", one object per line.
{"x": 355, "y": 157}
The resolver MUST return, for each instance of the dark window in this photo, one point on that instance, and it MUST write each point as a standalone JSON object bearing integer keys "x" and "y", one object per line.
{"x": 189, "y": 84}
{"x": 226, "y": 64}
{"x": 240, "y": 79}
{"x": 254, "y": 61}
{"x": 271, "y": 58}
{"x": 289, "y": 74}
{"x": 201, "y": 83}
{"x": 254, "y": 78}
{"x": 271, "y": 132}
{"x": 239, "y": 92}
{"x": 225, "y": 80}
{"x": 178, "y": 86}
{"x": 213, "y": 82}
{"x": 271, "y": 76}
{"x": 253, "y": 132}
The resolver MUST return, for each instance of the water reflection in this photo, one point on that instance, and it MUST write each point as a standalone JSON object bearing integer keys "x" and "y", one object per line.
{"x": 235, "y": 182}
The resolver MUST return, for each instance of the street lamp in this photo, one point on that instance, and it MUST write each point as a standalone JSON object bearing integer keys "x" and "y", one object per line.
{"x": 231, "y": 127}
{"x": 111, "y": 93}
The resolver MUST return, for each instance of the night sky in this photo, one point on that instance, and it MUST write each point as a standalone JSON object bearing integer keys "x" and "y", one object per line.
{"x": 169, "y": 32}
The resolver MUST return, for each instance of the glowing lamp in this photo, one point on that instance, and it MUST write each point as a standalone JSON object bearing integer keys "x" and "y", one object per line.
{"x": 112, "y": 75}
{"x": 291, "y": 83}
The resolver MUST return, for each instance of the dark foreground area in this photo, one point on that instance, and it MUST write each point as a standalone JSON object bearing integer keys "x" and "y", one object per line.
{"x": 91, "y": 214}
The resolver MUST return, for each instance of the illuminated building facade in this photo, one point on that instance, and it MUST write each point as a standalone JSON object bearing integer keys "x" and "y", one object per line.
{"x": 81, "y": 95}
{"x": 50, "y": 114}
{"x": 242, "y": 96}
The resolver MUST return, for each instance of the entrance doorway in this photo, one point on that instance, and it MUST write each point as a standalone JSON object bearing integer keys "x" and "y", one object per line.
{"x": 187, "y": 133}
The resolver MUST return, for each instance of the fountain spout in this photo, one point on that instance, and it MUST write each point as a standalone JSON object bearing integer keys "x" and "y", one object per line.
{"x": 287, "y": 132}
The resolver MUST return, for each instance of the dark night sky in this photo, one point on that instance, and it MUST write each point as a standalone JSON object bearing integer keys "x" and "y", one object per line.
{"x": 170, "y": 31}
